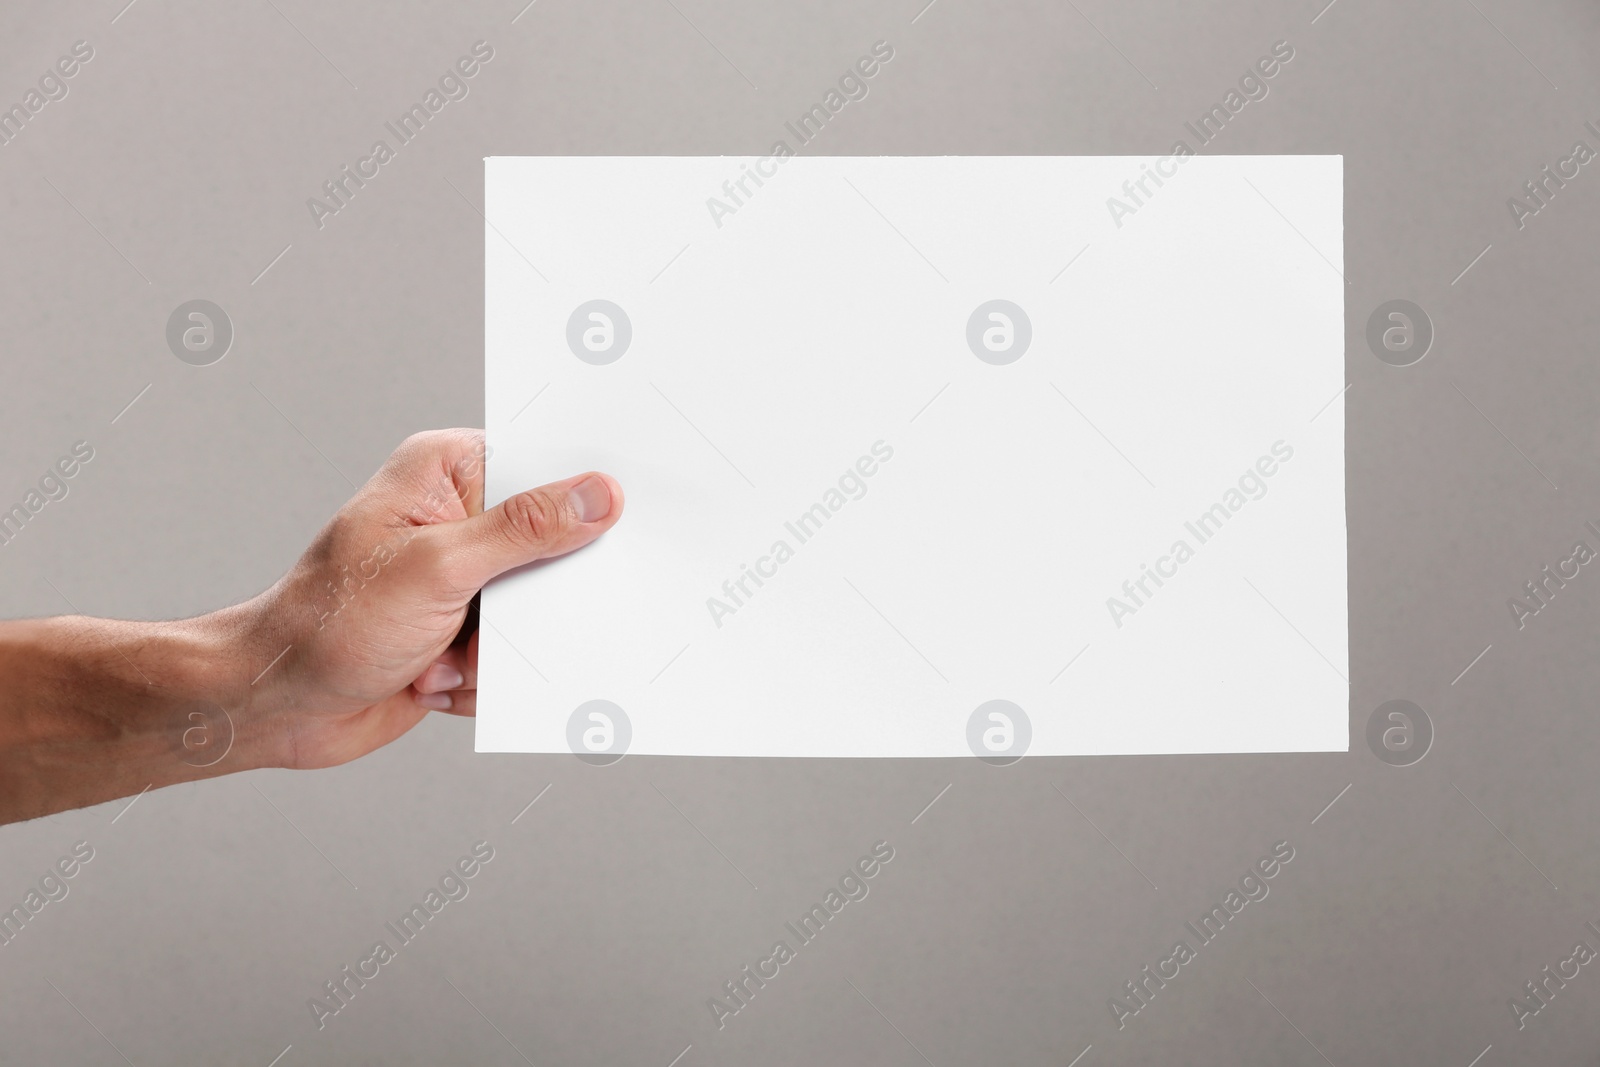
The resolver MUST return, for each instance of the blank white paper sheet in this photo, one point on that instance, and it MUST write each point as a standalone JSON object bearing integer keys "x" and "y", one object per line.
{"x": 931, "y": 456}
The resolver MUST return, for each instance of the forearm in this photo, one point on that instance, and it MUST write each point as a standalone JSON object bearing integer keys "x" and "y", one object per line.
{"x": 96, "y": 709}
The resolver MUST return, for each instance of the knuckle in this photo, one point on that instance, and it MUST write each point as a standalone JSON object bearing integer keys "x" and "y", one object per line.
{"x": 427, "y": 444}
{"x": 536, "y": 517}
{"x": 420, "y": 443}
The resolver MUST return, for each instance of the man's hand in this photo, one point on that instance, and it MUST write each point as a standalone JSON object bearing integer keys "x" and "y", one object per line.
{"x": 348, "y": 651}
{"x": 371, "y": 613}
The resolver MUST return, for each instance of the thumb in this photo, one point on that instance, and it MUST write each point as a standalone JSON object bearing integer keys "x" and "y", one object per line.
{"x": 551, "y": 520}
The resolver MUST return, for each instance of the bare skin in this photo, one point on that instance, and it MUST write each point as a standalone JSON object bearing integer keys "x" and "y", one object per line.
{"x": 349, "y": 650}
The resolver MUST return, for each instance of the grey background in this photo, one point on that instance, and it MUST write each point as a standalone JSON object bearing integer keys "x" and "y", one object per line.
{"x": 178, "y": 168}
